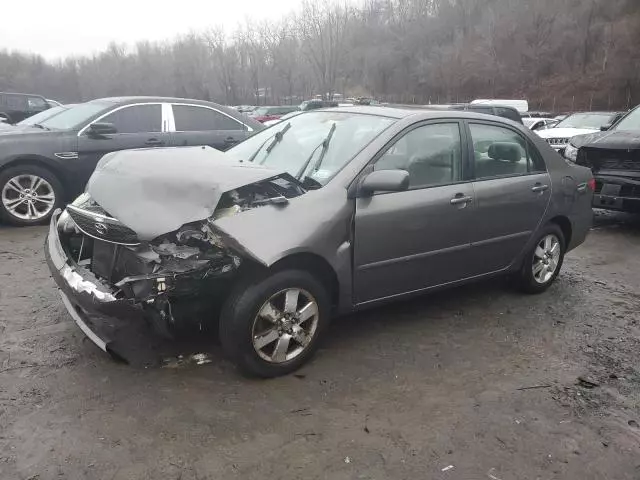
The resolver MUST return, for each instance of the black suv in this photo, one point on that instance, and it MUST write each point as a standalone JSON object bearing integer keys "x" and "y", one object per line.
{"x": 613, "y": 154}
{"x": 15, "y": 107}
{"x": 43, "y": 167}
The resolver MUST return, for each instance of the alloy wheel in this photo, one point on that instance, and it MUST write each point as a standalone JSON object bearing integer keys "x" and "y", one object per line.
{"x": 546, "y": 258}
{"x": 28, "y": 197}
{"x": 285, "y": 325}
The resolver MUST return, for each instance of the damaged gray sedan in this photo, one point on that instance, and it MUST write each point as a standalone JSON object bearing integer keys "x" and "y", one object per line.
{"x": 323, "y": 214}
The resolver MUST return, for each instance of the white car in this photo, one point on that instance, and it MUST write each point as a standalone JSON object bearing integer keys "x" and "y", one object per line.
{"x": 576, "y": 124}
{"x": 537, "y": 124}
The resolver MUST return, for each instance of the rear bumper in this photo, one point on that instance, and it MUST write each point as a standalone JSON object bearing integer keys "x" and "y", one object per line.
{"x": 617, "y": 193}
{"x": 92, "y": 305}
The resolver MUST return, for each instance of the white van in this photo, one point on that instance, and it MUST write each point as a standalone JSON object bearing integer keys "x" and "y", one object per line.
{"x": 520, "y": 105}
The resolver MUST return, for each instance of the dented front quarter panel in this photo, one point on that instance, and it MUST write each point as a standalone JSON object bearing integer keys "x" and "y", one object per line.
{"x": 315, "y": 223}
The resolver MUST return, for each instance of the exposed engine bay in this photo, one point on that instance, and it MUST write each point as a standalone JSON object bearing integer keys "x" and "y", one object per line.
{"x": 175, "y": 276}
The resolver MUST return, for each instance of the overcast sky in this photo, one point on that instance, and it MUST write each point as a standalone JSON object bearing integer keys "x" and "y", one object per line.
{"x": 56, "y": 28}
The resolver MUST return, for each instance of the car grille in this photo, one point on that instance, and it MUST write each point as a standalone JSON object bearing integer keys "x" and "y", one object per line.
{"x": 102, "y": 227}
{"x": 603, "y": 159}
{"x": 557, "y": 141}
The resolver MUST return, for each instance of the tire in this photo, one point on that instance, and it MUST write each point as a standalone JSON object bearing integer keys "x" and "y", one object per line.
{"x": 530, "y": 282}
{"x": 40, "y": 211}
{"x": 241, "y": 324}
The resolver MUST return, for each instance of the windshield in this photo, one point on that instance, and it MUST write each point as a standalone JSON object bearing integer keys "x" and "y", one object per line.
{"x": 591, "y": 121}
{"x": 528, "y": 122}
{"x": 42, "y": 116}
{"x": 630, "y": 122}
{"x": 74, "y": 117}
{"x": 261, "y": 111}
{"x": 302, "y": 139}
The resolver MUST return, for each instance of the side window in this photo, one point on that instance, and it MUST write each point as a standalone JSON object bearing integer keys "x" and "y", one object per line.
{"x": 37, "y": 103}
{"x": 500, "y": 152}
{"x": 431, "y": 154}
{"x": 136, "y": 119}
{"x": 191, "y": 118}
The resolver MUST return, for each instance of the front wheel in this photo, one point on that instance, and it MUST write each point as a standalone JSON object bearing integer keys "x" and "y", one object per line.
{"x": 543, "y": 262}
{"x": 272, "y": 325}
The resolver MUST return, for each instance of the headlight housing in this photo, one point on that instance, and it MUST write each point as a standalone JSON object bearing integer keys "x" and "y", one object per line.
{"x": 571, "y": 153}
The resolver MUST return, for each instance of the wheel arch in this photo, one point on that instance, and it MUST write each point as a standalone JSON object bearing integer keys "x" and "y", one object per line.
{"x": 317, "y": 266}
{"x": 565, "y": 225}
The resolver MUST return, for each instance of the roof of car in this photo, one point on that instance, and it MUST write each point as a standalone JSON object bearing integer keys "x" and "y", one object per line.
{"x": 128, "y": 100}
{"x": 594, "y": 113}
{"x": 379, "y": 111}
{"x": 399, "y": 113}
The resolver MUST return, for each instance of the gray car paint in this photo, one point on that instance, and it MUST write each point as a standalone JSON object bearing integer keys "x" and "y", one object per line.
{"x": 328, "y": 222}
{"x": 156, "y": 192}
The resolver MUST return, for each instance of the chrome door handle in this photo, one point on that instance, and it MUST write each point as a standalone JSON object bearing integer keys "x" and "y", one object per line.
{"x": 538, "y": 188}
{"x": 463, "y": 199}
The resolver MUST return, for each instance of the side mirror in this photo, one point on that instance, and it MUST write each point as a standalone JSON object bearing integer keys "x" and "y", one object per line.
{"x": 100, "y": 129}
{"x": 384, "y": 181}
{"x": 606, "y": 127}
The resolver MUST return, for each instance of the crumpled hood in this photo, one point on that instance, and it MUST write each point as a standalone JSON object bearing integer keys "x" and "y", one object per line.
{"x": 156, "y": 191}
{"x": 564, "y": 132}
{"x": 613, "y": 139}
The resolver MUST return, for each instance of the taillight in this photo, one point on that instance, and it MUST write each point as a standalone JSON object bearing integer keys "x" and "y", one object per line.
{"x": 592, "y": 184}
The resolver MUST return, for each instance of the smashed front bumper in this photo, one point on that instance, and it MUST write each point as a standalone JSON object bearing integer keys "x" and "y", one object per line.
{"x": 617, "y": 193}
{"x": 92, "y": 304}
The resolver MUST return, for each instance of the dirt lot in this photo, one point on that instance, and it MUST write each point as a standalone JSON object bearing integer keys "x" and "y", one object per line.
{"x": 481, "y": 379}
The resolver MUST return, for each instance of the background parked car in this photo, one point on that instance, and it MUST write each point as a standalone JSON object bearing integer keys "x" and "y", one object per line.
{"x": 245, "y": 108}
{"x": 535, "y": 114}
{"x": 316, "y": 104}
{"x": 577, "y": 124}
{"x": 614, "y": 157}
{"x": 42, "y": 168}
{"x": 264, "y": 114}
{"x": 15, "y": 107}
{"x": 536, "y": 123}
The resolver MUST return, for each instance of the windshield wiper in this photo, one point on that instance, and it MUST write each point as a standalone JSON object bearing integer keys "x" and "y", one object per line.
{"x": 277, "y": 137}
{"x": 324, "y": 145}
{"x": 37, "y": 125}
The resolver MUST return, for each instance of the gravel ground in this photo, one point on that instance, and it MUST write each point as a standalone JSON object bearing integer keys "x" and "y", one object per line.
{"x": 475, "y": 383}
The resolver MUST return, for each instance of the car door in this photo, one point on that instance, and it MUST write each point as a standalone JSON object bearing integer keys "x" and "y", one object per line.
{"x": 419, "y": 238}
{"x": 138, "y": 126}
{"x": 512, "y": 190}
{"x": 203, "y": 125}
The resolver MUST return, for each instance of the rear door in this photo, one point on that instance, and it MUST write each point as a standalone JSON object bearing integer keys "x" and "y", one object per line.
{"x": 512, "y": 190}
{"x": 419, "y": 238}
{"x": 203, "y": 125}
{"x": 138, "y": 126}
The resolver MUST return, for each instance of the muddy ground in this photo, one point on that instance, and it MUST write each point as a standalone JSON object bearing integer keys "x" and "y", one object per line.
{"x": 476, "y": 383}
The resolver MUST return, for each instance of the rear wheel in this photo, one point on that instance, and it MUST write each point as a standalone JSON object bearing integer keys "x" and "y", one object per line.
{"x": 272, "y": 325}
{"x": 28, "y": 195}
{"x": 543, "y": 262}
